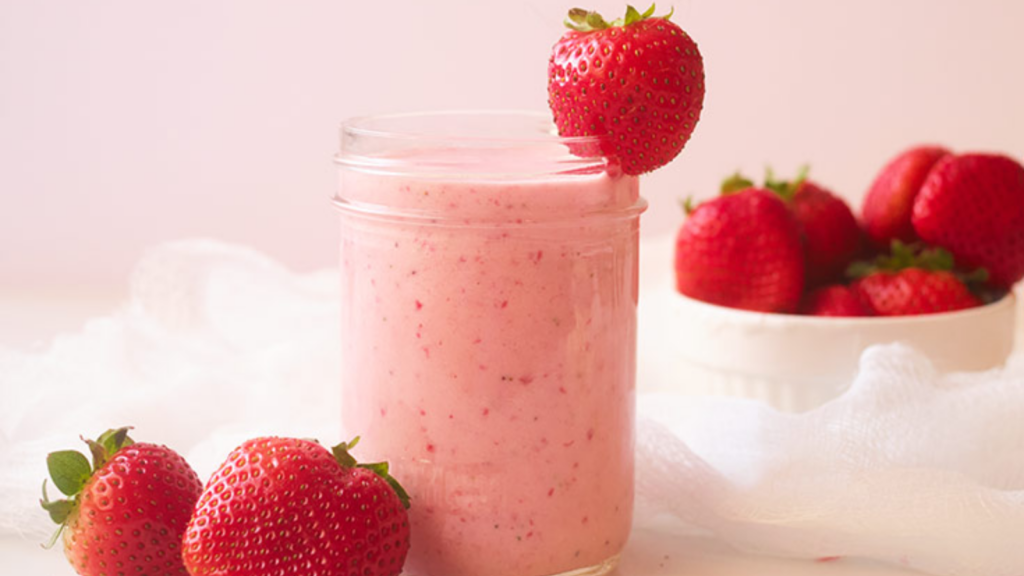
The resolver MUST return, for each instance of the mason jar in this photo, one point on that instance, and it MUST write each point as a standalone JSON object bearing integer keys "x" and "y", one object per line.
{"x": 488, "y": 298}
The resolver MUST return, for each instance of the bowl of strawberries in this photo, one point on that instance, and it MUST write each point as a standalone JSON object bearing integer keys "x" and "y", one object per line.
{"x": 781, "y": 286}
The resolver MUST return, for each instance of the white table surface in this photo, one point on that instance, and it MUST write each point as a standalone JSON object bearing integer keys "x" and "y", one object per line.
{"x": 29, "y": 321}
{"x": 649, "y": 553}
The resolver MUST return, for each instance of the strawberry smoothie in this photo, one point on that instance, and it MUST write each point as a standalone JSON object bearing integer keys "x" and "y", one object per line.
{"x": 488, "y": 341}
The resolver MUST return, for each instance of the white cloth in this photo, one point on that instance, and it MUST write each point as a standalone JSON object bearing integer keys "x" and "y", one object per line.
{"x": 910, "y": 466}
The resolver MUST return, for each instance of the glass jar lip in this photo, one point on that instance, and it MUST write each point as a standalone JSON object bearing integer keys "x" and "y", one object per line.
{"x": 476, "y": 144}
{"x": 359, "y": 126}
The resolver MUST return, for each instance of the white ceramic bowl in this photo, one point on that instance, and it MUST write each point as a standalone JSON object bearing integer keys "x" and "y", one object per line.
{"x": 795, "y": 363}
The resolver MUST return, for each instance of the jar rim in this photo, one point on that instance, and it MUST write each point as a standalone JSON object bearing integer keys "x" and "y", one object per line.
{"x": 374, "y": 144}
{"x": 362, "y": 125}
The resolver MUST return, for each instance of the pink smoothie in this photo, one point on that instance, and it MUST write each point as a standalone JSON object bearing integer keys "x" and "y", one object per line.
{"x": 489, "y": 354}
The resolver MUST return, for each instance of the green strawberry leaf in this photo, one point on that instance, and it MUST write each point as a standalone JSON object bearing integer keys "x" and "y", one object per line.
{"x": 99, "y": 453}
{"x": 977, "y": 276}
{"x": 735, "y": 183}
{"x": 596, "y": 21}
{"x": 59, "y": 510}
{"x": 378, "y": 468}
{"x": 632, "y": 15}
{"x": 115, "y": 439}
{"x": 381, "y": 469}
{"x": 785, "y": 188}
{"x": 341, "y": 454}
{"x": 914, "y": 255}
{"x": 688, "y": 205}
{"x": 935, "y": 259}
{"x": 859, "y": 269}
{"x": 108, "y": 444}
{"x": 578, "y": 16}
{"x": 69, "y": 469}
{"x": 403, "y": 496}
{"x": 583, "y": 20}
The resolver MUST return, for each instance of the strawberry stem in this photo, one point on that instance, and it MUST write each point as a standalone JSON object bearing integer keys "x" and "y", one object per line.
{"x": 346, "y": 460}
{"x": 785, "y": 188}
{"x": 59, "y": 509}
{"x": 687, "y": 205}
{"x": 915, "y": 255}
{"x": 108, "y": 444}
{"x": 341, "y": 454}
{"x": 70, "y": 470}
{"x": 582, "y": 20}
{"x": 735, "y": 183}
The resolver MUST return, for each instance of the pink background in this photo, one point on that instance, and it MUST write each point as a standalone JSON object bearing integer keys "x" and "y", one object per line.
{"x": 125, "y": 123}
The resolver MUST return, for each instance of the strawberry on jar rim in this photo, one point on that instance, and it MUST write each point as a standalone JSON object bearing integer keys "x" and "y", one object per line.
{"x": 290, "y": 506}
{"x": 125, "y": 514}
{"x": 636, "y": 82}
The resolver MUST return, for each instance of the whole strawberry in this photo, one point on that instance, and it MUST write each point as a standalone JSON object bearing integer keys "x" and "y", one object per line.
{"x": 914, "y": 291}
{"x": 832, "y": 237}
{"x": 912, "y": 280}
{"x": 636, "y": 82}
{"x": 888, "y": 205}
{"x": 834, "y": 300}
{"x": 741, "y": 250}
{"x": 127, "y": 513}
{"x": 973, "y": 205}
{"x": 281, "y": 506}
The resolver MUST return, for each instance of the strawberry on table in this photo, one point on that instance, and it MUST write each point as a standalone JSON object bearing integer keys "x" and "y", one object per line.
{"x": 637, "y": 82}
{"x": 914, "y": 281}
{"x": 741, "y": 250}
{"x": 888, "y": 205}
{"x": 973, "y": 205}
{"x": 126, "y": 514}
{"x": 834, "y": 300}
{"x": 281, "y": 506}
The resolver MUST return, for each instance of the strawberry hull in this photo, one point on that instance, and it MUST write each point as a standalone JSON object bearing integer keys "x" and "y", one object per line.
{"x": 488, "y": 341}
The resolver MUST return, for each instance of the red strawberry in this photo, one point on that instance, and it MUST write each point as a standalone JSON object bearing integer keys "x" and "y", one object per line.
{"x": 830, "y": 230}
{"x": 973, "y": 205}
{"x": 913, "y": 281}
{"x": 637, "y": 82}
{"x": 914, "y": 291}
{"x": 834, "y": 300}
{"x": 890, "y": 200}
{"x": 126, "y": 514}
{"x": 741, "y": 250}
{"x": 289, "y": 506}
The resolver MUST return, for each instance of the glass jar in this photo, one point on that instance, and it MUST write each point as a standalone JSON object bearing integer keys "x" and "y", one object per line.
{"x": 488, "y": 297}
